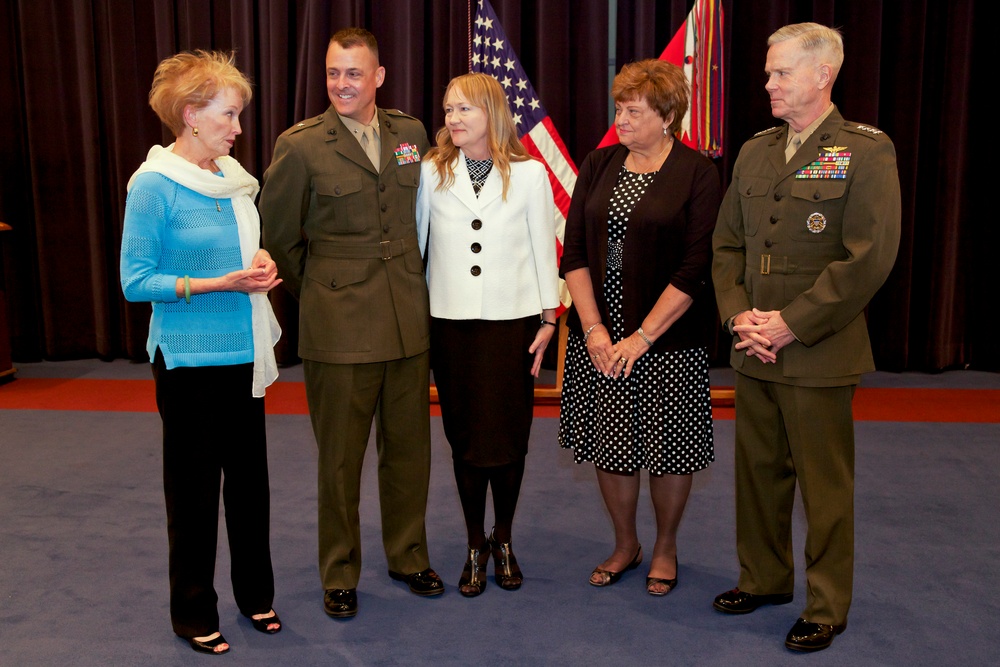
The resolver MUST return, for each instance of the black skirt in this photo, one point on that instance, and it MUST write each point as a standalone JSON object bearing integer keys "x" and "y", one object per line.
{"x": 482, "y": 369}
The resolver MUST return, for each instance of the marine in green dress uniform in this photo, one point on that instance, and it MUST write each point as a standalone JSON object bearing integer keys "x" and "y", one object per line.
{"x": 807, "y": 233}
{"x": 338, "y": 208}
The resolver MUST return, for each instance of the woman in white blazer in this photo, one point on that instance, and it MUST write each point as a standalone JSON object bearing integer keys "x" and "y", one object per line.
{"x": 485, "y": 219}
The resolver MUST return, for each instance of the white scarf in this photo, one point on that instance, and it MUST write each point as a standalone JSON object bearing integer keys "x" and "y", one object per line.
{"x": 240, "y": 187}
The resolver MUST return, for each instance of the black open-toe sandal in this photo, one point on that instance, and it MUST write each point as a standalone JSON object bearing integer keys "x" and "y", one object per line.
{"x": 260, "y": 624}
{"x": 607, "y": 577}
{"x": 670, "y": 584}
{"x": 208, "y": 646}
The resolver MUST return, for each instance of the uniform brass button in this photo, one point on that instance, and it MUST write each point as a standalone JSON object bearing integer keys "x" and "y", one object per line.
{"x": 476, "y": 247}
{"x": 774, "y": 220}
{"x": 816, "y": 196}
{"x": 331, "y": 132}
{"x": 768, "y": 243}
{"x": 386, "y": 229}
{"x": 748, "y": 191}
{"x": 477, "y": 224}
{"x": 381, "y": 187}
{"x": 777, "y": 197}
{"x": 384, "y": 207}
{"x": 333, "y": 284}
{"x": 475, "y": 270}
{"x": 336, "y": 190}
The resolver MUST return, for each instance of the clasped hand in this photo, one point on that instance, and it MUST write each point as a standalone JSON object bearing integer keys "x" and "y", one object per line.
{"x": 762, "y": 334}
{"x": 616, "y": 359}
{"x": 260, "y": 278}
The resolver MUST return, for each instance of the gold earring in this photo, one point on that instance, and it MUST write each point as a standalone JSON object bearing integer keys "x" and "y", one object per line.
{"x": 194, "y": 131}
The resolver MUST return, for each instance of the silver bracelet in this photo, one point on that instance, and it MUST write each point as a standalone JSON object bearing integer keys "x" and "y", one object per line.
{"x": 586, "y": 334}
{"x": 642, "y": 335}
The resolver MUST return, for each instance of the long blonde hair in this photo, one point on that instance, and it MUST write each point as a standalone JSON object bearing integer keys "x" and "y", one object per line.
{"x": 485, "y": 92}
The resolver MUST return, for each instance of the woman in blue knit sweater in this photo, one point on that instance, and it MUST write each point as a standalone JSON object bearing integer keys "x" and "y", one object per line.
{"x": 191, "y": 247}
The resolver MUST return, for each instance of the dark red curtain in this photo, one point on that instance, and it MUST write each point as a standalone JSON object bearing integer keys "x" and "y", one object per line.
{"x": 74, "y": 124}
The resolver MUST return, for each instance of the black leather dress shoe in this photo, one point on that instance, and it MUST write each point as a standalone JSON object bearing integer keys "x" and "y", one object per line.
{"x": 341, "y": 602}
{"x": 426, "y": 582}
{"x": 741, "y": 602}
{"x": 807, "y": 636}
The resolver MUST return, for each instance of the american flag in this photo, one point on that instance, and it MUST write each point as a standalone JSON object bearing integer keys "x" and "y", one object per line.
{"x": 491, "y": 53}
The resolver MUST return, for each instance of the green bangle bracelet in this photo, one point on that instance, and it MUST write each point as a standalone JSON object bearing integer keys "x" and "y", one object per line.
{"x": 187, "y": 289}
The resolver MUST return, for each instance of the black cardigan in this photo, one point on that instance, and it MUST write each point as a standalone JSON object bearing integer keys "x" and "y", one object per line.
{"x": 669, "y": 240}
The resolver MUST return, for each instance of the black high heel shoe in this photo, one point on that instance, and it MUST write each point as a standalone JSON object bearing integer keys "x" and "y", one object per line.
{"x": 671, "y": 584}
{"x": 607, "y": 577}
{"x": 506, "y": 571}
{"x": 473, "y": 581}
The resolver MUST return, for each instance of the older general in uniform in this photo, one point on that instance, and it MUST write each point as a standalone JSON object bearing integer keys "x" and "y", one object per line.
{"x": 338, "y": 207}
{"x": 807, "y": 234}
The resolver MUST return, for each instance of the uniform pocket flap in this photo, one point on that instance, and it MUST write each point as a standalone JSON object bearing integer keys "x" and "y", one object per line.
{"x": 818, "y": 190}
{"x": 408, "y": 178}
{"x": 337, "y": 273}
{"x": 332, "y": 185}
{"x": 754, "y": 186}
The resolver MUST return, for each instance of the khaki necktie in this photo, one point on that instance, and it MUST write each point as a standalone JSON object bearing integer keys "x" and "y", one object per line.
{"x": 370, "y": 145}
{"x": 792, "y": 147}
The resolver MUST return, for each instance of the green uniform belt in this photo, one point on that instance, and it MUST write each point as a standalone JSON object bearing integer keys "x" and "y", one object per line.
{"x": 383, "y": 250}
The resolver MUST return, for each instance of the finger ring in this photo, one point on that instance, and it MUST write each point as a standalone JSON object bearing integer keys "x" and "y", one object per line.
{"x": 593, "y": 356}
{"x": 622, "y": 360}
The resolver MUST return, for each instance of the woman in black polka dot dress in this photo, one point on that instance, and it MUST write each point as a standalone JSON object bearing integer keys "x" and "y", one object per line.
{"x": 637, "y": 260}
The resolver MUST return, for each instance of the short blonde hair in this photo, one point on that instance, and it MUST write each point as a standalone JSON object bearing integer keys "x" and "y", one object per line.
{"x": 819, "y": 40}
{"x": 483, "y": 91}
{"x": 194, "y": 78}
{"x": 662, "y": 85}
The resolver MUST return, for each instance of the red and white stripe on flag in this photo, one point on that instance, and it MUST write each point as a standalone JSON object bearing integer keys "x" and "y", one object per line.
{"x": 492, "y": 54}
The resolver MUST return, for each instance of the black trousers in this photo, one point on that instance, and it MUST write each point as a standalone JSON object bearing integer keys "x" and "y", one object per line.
{"x": 213, "y": 429}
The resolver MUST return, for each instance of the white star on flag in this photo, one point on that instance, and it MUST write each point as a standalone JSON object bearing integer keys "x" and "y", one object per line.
{"x": 534, "y": 126}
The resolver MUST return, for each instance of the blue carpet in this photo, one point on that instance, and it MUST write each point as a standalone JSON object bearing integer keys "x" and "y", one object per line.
{"x": 83, "y": 573}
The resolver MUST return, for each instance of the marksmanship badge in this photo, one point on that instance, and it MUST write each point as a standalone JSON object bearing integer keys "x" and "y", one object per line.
{"x": 816, "y": 223}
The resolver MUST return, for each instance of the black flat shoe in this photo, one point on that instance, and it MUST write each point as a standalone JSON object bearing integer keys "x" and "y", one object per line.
{"x": 608, "y": 577}
{"x": 261, "y": 624}
{"x": 425, "y": 583}
{"x": 506, "y": 571}
{"x": 341, "y": 602}
{"x": 209, "y": 646}
{"x": 807, "y": 636}
{"x": 741, "y": 602}
{"x": 473, "y": 580}
{"x": 671, "y": 584}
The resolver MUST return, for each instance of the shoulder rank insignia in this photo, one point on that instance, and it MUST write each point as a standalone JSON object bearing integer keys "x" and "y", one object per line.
{"x": 770, "y": 129}
{"x": 832, "y": 162}
{"x": 866, "y": 128}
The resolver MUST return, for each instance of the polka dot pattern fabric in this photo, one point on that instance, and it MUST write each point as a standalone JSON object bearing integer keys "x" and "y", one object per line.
{"x": 660, "y": 417}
